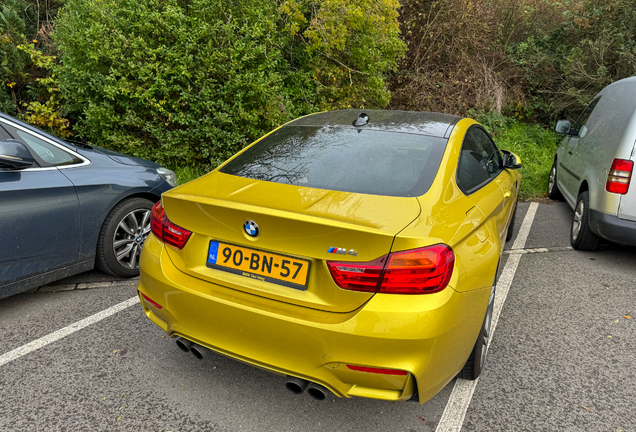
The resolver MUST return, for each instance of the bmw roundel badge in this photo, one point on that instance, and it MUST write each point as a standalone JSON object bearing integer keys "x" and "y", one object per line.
{"x": 251, "y": 229}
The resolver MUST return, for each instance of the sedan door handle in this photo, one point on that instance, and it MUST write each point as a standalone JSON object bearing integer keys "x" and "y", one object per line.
{"x": 507, "y": 194}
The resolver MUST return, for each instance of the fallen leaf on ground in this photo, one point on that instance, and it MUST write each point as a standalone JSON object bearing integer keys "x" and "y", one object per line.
{"x": 587, "y": 408}
{"x": 609, "y": 336}
{"x": 421, "y": 418}
{"x": 627, "y": 317}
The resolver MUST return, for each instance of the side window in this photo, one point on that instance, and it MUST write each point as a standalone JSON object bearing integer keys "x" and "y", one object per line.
{"x": 584, "y": 117}
{"x": 45, "y": 153}
{"x": 479, "y": 160}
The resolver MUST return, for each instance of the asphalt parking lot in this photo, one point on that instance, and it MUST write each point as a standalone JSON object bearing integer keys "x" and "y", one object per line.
{"x": 562, "y": 358}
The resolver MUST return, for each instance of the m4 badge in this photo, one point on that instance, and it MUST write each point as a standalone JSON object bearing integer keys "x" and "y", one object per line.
{"x": 342, "y": 251}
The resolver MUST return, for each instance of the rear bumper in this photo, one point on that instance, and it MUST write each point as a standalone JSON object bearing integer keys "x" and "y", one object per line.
{"x": 612, "y": 228}
{"x": 428, "y": 336}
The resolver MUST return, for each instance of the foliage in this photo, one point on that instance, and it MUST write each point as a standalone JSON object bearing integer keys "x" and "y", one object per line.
{"x": 29, "y": 88}
{"x": 457, "y": 52}
{"x": 188, "y": 82}
{"x": 349, "y": 46}
{"x": 536, "y": 146}
{"x": 16, "y": 20}
{"x": 48, "y": 114}
{"x": 594, "y": 46}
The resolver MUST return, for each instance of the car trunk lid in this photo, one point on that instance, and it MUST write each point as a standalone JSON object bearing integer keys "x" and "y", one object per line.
{"x": 298, "y": 224}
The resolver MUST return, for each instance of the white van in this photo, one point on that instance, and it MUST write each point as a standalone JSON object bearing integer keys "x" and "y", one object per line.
{"x": 594, "y": 165}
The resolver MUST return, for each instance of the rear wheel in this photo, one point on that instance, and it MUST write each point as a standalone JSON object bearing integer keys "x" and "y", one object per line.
{"x": 477, "y": 359}
{"x": 122, "y": 237}
{"x": 581, "y": 237}
{"x": 553, "y": 189}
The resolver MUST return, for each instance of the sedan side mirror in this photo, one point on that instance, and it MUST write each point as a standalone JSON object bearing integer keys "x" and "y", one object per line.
{"x": 511, "y": 160}
{"x": 15, "y": 155}
{"x": 563, "y": 127}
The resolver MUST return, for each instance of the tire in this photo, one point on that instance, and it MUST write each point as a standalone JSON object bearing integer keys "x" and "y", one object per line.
{"x": 581, "y": 237}
{"x": 511, "y": 227}
{"x": 477, "y": 359}
{"x": 553, "y": 189}
{"x": 122, "y": 237}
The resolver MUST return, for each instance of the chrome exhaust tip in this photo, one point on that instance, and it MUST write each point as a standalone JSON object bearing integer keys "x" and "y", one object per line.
{"x": 296, "y": 385}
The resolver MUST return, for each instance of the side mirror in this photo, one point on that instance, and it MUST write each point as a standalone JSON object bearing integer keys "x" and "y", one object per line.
{"x": 511, "y": 160}
{"x": 15, "y": 155}
{"x": 563, "y": 127}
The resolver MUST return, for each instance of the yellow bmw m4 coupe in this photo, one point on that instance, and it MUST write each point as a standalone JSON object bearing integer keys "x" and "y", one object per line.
{"x": 354, "y": 253}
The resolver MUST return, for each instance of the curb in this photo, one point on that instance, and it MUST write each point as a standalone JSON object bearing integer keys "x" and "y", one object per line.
{"x": 87, "y": 285}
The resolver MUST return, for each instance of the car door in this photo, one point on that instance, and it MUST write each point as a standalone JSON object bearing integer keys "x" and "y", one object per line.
{"x": 571, "y": 166}
{"x": 480, "y": 166}
{"x": 39, "y": 210}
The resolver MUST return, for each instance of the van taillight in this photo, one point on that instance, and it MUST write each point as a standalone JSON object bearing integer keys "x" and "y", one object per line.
{"x": 165, "y": 230}
{"x": 416, "y": 271}
{"x": 620, "y": 175}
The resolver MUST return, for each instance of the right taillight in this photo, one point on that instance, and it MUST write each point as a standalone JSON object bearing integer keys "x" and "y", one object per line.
{"x": 416, "y": 271}
{"x": 165, "y": 230}
{"x": 619, "y": 176}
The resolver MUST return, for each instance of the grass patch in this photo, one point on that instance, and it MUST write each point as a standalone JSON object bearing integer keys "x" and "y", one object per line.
{"x": 536, "y": 146}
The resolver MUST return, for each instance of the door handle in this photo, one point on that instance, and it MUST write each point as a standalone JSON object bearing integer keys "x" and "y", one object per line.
{"x": 507, "y": 194}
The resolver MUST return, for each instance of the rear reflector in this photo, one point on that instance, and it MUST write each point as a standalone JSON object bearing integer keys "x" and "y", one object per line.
{"x": 376, "y": 370}
{"x": 416, "y": 271}
{"x": 152, "y": 302}
{"x": 165, "y": 230}
{"x": 619, "y": 177}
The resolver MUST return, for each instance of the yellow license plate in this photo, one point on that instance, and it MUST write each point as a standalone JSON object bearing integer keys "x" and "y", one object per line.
{"x": 255, "y": 264}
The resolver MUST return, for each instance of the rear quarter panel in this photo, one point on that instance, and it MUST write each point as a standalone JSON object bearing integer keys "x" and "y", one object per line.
{"x": 448, "y": 216}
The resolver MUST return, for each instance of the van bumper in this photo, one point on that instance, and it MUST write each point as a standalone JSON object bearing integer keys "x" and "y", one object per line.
{"x": 612, "y": 228}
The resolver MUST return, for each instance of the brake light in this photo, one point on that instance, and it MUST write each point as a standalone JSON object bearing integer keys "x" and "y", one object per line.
{"x": 416, "y": 271}
{"x": 619, "y": 176}
{"x": 165, "y": 230}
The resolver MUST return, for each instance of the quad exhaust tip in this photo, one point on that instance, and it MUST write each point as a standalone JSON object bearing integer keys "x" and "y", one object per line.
{"x": 296, "y": 385}
{"x": 299, "y": 386}
{"x": 317, "y": 391}
{"x": 199, "y": 351}
{"x": 184, "y": 344}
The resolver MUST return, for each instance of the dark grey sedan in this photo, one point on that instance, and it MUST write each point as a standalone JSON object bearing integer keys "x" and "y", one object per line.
{"x": 66, "y": 206}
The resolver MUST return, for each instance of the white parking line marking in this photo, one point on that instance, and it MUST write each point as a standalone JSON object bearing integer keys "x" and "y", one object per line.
{"x": 455, "y": 411}
{"x": 63, "y": 332}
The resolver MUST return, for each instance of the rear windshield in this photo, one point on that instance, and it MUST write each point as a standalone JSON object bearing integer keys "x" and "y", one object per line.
{"x": 343, "y": 159}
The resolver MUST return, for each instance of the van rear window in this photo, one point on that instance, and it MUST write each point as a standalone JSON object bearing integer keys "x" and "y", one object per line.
{"x": 343, "y": 159}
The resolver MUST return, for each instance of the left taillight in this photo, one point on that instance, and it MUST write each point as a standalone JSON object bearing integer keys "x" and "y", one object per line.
{"x": 417, "y": 271}
{"x": 166, "y": 231}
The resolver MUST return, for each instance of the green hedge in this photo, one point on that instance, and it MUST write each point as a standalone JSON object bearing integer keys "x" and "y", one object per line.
{"x": 191, "y": 82}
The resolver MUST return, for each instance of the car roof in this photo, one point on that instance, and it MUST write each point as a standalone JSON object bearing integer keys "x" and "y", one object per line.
{"x": 414, "y": 122}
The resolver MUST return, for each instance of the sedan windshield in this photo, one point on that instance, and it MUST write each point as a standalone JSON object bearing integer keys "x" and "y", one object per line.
{"x": 343, "y": 159}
